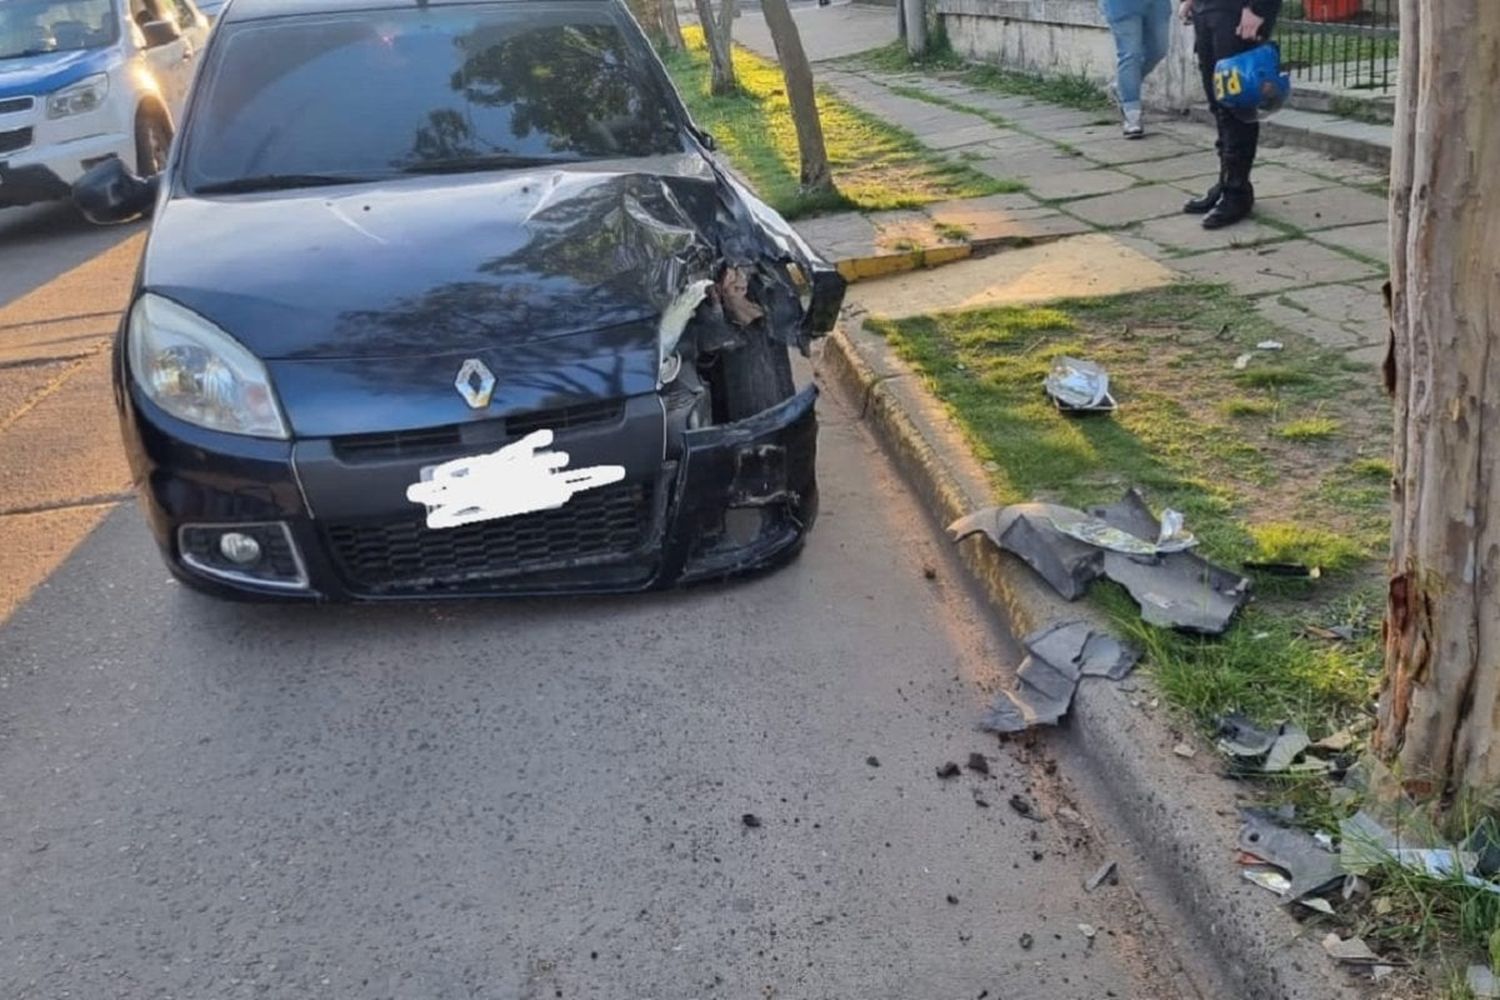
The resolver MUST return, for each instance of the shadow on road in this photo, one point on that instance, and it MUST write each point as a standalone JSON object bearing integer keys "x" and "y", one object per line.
{"x": 40, "y": 242}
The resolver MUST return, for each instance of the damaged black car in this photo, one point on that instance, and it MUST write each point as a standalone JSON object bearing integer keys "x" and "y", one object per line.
{"x": 454, "y": 299}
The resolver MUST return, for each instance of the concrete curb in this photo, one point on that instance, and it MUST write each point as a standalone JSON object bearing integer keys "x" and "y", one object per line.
{"x": 1180, "y": 813}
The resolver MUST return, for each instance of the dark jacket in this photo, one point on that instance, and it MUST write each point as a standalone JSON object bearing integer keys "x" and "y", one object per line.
{"x": 1263, "y": 8}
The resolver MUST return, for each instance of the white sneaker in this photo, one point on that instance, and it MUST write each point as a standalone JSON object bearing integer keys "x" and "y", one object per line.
{"x": 1133, "y": 128}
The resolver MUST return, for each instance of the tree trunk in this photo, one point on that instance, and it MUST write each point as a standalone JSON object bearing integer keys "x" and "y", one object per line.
{"x": 797, "y": 72}
{"x": 671, "y": 26}
{"x": 914, "y": 16}
{"x": 720, "y": 55}
{"x": 1440, "y": 699}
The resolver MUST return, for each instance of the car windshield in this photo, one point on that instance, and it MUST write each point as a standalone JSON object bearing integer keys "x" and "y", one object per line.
{"x": 39, "y": 27}
{"x": 296, "y": 101}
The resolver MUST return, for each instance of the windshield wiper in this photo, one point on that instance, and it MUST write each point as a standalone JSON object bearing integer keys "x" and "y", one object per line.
{"x": 278, "y": 182}
{"x": 468, "y": 164}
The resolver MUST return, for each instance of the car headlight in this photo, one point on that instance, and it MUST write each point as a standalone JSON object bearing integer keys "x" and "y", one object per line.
{"x": 199, "y": 373}
{"x": 85, "y": 95}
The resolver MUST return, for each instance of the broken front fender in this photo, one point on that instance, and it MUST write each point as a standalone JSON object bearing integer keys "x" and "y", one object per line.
{"x": 746, "y": 492}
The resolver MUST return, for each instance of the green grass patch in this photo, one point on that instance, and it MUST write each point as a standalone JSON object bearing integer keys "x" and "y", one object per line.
{"x": 1285, "y": 542}
{"x": 1180, "y": 436}
{"x": 876, "y": 166}
{"x": 1308, "y": 429}
{"x": 1241, "y": 406}
{"x": 1378, "y": 469}
{"x": 1067, "y": 90}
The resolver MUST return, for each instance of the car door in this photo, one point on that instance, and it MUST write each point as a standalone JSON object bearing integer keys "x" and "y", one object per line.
{"x": 171, "y": 62}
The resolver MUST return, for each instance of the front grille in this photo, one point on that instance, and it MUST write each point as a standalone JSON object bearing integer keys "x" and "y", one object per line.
{"x": 430, "y": 441}
{"x": 15, "y": 139}
{"x": 396, "y": 444}
{"x": 583, "y": 415}
{"x": 594, "y": 526}
{"x": 12, "y": 105}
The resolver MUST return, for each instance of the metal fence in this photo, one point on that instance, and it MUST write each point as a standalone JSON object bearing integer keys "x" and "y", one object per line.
{"x": 1341, "y": 45}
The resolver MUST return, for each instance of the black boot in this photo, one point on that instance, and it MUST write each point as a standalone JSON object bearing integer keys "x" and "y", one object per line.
{"x": 1235, "y": 203}
{"x": 1205, "y": 204}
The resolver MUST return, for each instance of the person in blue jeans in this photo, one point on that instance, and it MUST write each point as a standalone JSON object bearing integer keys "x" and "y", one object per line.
{"x": 1141, "y": 29}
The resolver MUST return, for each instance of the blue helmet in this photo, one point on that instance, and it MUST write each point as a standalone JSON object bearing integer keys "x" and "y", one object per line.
{"x": 1251, "y": 84}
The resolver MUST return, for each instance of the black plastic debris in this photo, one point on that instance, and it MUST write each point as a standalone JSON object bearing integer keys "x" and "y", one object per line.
{"x": 1027, "y": 530}
{"x": 978, "y": 763}
{"x": 949, "y": 770}
{"x": 1309, "y": 866}
{"x": 751, "y": 820}
{"x": 1148, "y": 556}
{"x": 1022, "y": 805}
{"x": 952, "y": 899}
{"x": 1026, "y": 942}
{"x": 1256, "y": 750}
{"x": 873, "y": 761}
{"x": 1058, "y": 656}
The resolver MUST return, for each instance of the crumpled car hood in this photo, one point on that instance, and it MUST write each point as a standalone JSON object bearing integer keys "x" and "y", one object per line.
{"x": 436, "y": 265}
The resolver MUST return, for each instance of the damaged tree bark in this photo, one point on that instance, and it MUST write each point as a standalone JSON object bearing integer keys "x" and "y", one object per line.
{"x": 817, "y": 177}
{"x": 717, "y": 36}
{"x": 1440, "y": 698}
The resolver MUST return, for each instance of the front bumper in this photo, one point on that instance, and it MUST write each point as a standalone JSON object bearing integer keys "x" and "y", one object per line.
{"x": 734, "y": 498}
{"x": 47, "y": 172}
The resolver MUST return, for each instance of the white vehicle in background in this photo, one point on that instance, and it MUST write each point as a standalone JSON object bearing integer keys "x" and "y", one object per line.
{"x": 82, "y": 81}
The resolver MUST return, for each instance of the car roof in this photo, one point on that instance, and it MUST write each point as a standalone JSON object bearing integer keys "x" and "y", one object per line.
{"x": 254, "y": 10}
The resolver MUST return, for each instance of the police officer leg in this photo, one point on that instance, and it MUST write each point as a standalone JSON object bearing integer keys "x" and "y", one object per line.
{"x": 1240, "y": 132}
{"x": 1203, "y": 48}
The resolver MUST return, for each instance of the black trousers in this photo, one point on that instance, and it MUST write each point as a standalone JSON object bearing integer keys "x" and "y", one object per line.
{"x": 1214, "y": 38}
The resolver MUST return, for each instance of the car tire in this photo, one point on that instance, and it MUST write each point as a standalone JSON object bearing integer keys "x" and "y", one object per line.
{"x": 153, "y": 139}
{"x": 755, "y": 377}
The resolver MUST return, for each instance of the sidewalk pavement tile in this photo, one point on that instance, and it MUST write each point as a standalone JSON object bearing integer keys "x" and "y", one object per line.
{"x": 1077, "y": 183}
{"x": 1116, "y": 150}
{"x": 1325, "y": 209}
{"x": 1371, "y": 239}
{"x": 1343, "y": 171}
{"x": 1357, "y": 307}
{"x": 1257, "y": 270}
{"x": 1133, "y": 205}
{"x": 1204, "y": 164}
{"x": 840, "y": 237}
{"x": 1051, "y": 118}
{"x": 1083, "y": 266}
{"x": 1028, "y": 164}
{"x": 1322, "y": 331}
{"x": 1186, "y": 232}
{"x": 1003, "y": 217}
{"x": 964, "y": 135}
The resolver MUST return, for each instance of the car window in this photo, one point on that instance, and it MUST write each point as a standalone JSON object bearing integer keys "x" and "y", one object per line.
{"x": 36, "y": 27}
{"x": 371, "y": 94}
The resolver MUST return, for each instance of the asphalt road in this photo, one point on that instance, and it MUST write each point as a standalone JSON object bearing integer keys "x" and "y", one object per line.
{"x": 508, "y": 800}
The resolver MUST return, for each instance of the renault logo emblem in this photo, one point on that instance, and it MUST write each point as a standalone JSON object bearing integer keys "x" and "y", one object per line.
{"x": 475, "y": 383}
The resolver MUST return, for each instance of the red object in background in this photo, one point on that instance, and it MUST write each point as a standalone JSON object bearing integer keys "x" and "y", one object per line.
{"x": 1331, "y": 10}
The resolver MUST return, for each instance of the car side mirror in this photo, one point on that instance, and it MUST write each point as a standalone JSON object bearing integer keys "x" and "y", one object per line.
{"x": 110, "y": 192}
{"x": 160, "y": 33}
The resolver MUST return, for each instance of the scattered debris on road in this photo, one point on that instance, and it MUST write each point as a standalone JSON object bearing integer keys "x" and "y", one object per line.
{"x": 1106, "y": 873}
{"x": 952, "y": 899}
{"x": 1026, "y": 942}
{"x": 1058, "y": 657}
{"x": 1354, "y": 952}
{"x": 1022, "y": 805}
{"x": 978, "y": 763}
{"x": 949, "y": 770}
{"x": 1123, "y": 542}
{"x": 1185, "y": 750}
{"x": 751, "y": 820}
{"x": 1077, "y": 386}
{"x": 1309, "y": 867}
{"x": 872, "y": 760}
{"x": 1089, "y": 932}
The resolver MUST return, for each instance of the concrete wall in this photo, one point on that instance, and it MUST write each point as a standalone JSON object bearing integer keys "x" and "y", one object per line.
{"x": 1064, "y": 37}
